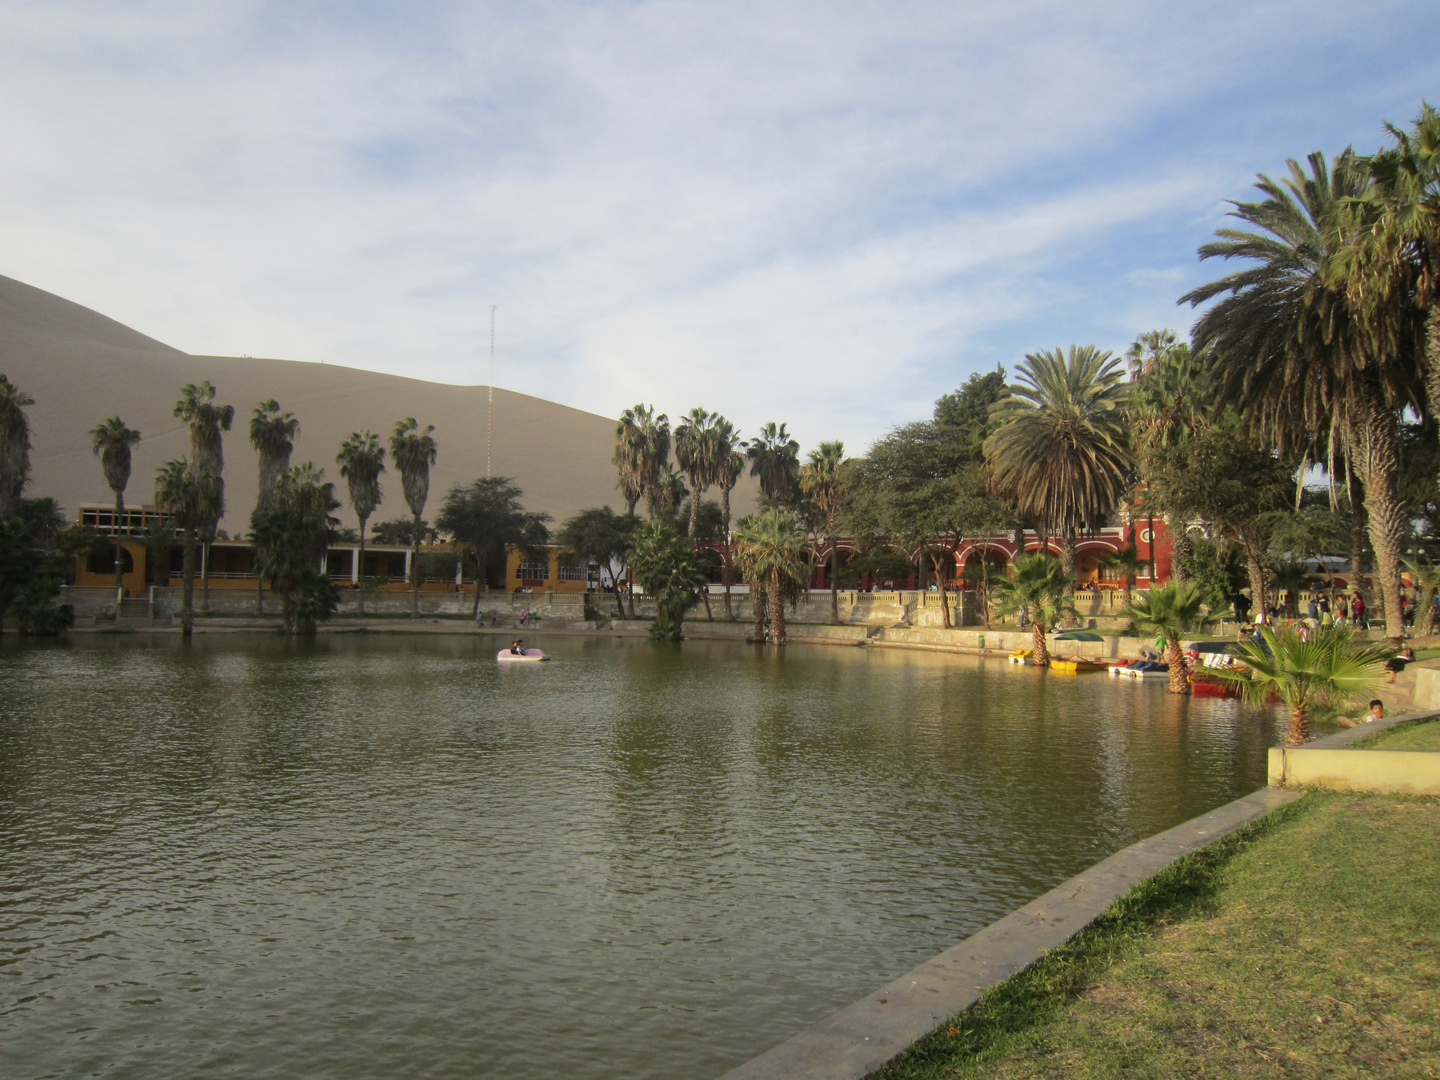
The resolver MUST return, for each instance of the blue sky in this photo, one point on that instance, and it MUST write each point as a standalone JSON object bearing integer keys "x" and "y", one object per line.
{"x": 824, "y": 214}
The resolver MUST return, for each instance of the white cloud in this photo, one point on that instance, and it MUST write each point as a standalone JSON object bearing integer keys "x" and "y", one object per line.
{"x": 821, "y": 213}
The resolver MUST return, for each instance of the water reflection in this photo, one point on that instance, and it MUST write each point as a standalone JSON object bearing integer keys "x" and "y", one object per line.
{"x": 347, "y": 856}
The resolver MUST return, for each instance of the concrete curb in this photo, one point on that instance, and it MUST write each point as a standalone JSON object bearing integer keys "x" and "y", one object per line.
{"x": 857, "y": 1040}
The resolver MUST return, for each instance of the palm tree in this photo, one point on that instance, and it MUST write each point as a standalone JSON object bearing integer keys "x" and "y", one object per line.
{"x": 1326, "y": 669}
{"x": 14, "y": 446}
{"x": 1396, "y": 259}
{"x": 1426, "y": 576}
{"x": 192, "y": 499}
{"x": 1173, "y": 610}
{"x": 665, "y": 565}
{"x": 291, "y": 538}
{"x": 770, "y": 551}
{"x": 729, "y": 464}
{"x": 642, "y": 446}
{"x": 1165, "y": 407}
{"x": 272, "y": 434}
{"x": 413, "y": 452}
{"x": 1290, "y": 352}
{"x": 1150, "y": 349}
{"x": 112, "y": 442}
{"x": 362, "y": 460}
{"x": 821, "y": 480}
{"x": 1060, "y": 452}
{"x": 696, "y": 453}
{"x": 207, "y": 455}
{"x": 1040, "y": 588}
{"x": 775, "y": 460}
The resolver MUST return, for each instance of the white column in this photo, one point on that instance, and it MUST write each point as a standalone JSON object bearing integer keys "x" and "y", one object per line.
{"x": 354, "y": 565}
{"x": 407, "y": 563}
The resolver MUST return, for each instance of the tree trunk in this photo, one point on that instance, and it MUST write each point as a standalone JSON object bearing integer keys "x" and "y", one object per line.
{"x": 1180, "y": 550}
{"x": 1255, "y": 566}
{"x": 777, "y": 610}
{"x": 944, "y": 602}
{"x": 1175, "y": 657}
{"x": 695, "y": 492}
{"x": 1150, "y": 519}
{"x": 1377, "y": 463}
{"x": 619, "y": 600}
{"x": 757, "y": 608}
{"x": 415, "y": 569}
{"x": 920, "y": 567}
{"x": 705, "y": 596}
{"x": 119, "y": 549}
{"x": 834, "y": 582}
{"x": 1039, "y": 654}
{"x": 725, "y": 562}
{"x": 630, "y": 598}
{"x": 1019, "y": 539}
{"x": 1067, "y": 558}
{"x": 205, "y": 578}
{"x": 1298, "y": 731}
{"x": 187, "y": 585}
{"x": 360, "y": 576}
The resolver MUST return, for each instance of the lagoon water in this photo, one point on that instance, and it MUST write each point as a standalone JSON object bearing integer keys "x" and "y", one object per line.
{"x": 388, "y": 856}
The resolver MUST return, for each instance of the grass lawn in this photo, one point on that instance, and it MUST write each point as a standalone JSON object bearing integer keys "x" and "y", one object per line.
{"x": 1422, "y": 736}
{"x": 1305, "y": 946}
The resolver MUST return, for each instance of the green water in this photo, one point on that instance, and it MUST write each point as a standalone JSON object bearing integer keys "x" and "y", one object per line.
{"x": 388, "y": 856}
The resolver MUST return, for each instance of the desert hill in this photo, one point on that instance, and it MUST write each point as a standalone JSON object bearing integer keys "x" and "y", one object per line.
{"x": 81, "y": 367}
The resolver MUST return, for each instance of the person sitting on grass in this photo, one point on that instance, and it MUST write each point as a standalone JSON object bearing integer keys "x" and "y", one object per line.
{"x": 1396, "y": 664}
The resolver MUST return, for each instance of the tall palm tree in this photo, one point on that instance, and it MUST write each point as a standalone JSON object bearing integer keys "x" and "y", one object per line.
{"x": 272, "y": 434}
{"x": 1040, "y": 588}
{"x": 1326, "y": 669}
{"x": 1061, "y": 449}
{"x": 642, "y": 446}
{"x": 207, "y": 422}
{"x": 1426, "y": 577}
{"x": 112, "y": 441}
{"x": 1395, "y": 260}
{"x": 1290, "y": 351}
{"x": 413, "y": 452}
{"x": 1165, "y": 406}
{"x": 14, "y": 446}
{"x": 192, "y": 498}
{"x": 1173, "y": 610}
{"x": 775, "y": 460}
{"x": 821, "y": 480}
{"x": 1149, "y": 349}
{"x": 729, "y": 464}
{"x": 362, "y": 460}
{"x": 696, "y": 452}
{"x": 770, "y": 551}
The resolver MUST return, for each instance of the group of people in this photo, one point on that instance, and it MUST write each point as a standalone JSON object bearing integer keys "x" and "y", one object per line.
{"x": 1347, "y": 611}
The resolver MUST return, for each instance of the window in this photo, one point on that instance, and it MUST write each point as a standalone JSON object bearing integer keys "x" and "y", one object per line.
{"x": 532, "y": 570}
{"x": 573, "y": 573}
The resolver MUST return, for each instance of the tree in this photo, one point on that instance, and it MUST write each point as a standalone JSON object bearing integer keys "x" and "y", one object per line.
{"x": 642, "y": 446}
{"x": 413, "y": 452}
{"x": 770, "y": 552}
{"x": 1288, "y": 350}
{"x": 14, "y": 446}
{"x": 601, "y": 537}
{"x": 665, "y": 565}
{"x": 1128, "y": 562}
{"x": 665, "y": 496}
{"x": 362, "y": 460}
{"x": 697, "y": 454}
{"x": 112, "y": 441}
{"x": 729, "y": 464}
{"x": 822, "y": 480}
{"x": 191, "y": 499}
{"x": 1303, "y": 674}
{"x": 775, "y": 461}
{"x": 1171, "y": 610}
{"x": 37, "y": 551}
{"x": 1039, "y": 587}
{"x": 1426, "y": 578}
{"x": 291, "y": 538}
{"x": 1060, "y": 449}
{"x": 272, "y": 434}
{"x": 486, "y": 518}
{"x": 207, "y": 422}
{"x": 1167, "y": 403}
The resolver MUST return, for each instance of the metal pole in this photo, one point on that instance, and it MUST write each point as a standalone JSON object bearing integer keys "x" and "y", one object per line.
{"x": 490, "y": 403}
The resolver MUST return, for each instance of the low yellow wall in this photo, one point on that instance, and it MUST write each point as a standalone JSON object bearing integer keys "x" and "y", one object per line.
{"x": 1392, "y": 772}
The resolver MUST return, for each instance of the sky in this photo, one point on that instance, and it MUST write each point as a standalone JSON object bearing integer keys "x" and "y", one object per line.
{"x": 823, "y": 214}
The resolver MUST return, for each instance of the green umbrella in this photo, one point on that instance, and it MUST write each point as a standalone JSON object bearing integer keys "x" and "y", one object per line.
{"x": 1079, "y": 635}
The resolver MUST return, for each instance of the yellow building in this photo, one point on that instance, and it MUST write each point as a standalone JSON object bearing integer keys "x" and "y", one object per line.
{"x": 231, "y": 562}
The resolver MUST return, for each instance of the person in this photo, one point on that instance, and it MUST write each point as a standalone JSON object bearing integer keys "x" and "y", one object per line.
{"x": 1357, "y": 613}
{"x": 1396, "y": 664}
{"x": 1377, "y": 711}
{"x": 1313, "y": 611}
{"x": 517, "y": 649}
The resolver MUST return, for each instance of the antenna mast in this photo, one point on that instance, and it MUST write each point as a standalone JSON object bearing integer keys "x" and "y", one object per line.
{"x": 490, "y": 404}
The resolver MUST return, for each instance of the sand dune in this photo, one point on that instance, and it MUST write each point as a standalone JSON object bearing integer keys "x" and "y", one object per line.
{"x": 81, "y": 367}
